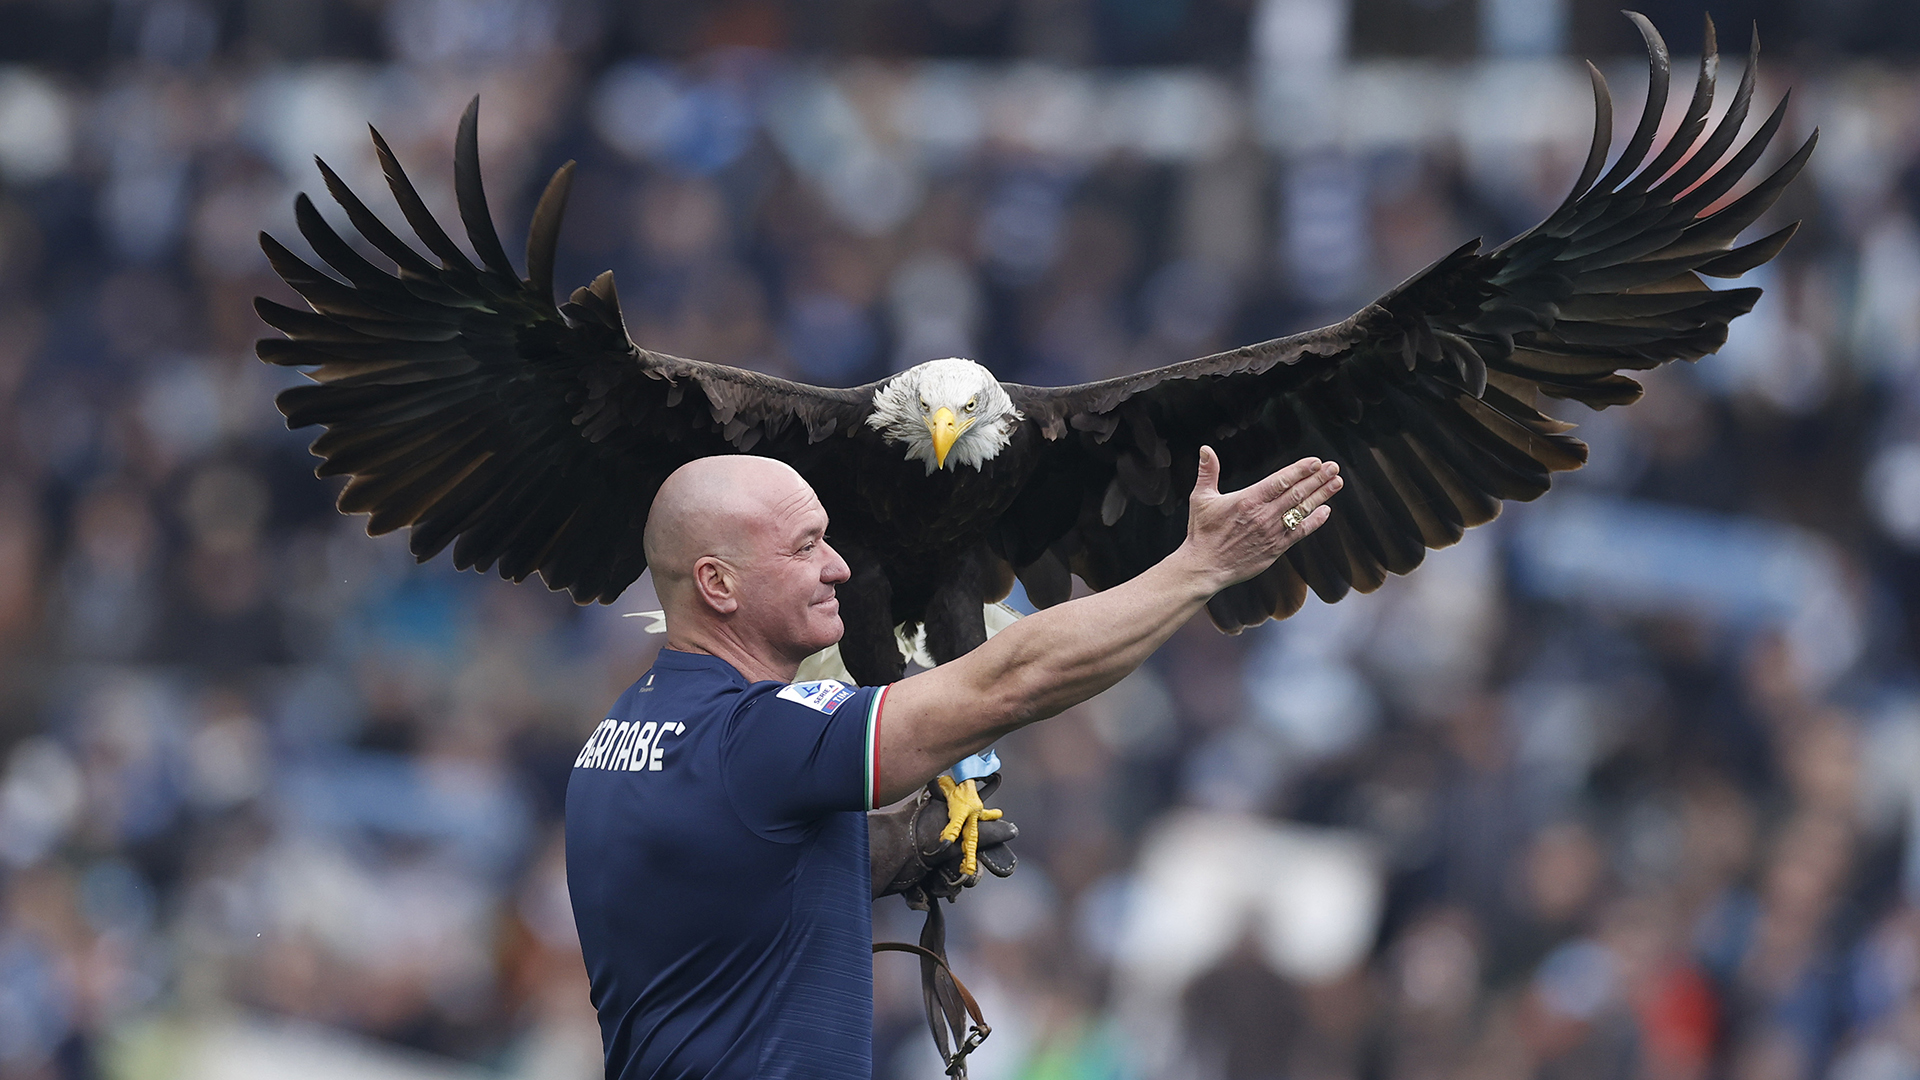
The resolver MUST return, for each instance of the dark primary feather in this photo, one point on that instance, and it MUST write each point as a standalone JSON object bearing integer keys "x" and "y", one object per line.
{"x": 1427, "y": 397}
{"x": 464, "y": 404}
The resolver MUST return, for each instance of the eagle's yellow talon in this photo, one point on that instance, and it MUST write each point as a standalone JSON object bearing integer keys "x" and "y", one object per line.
{"x": 965, "y": 812}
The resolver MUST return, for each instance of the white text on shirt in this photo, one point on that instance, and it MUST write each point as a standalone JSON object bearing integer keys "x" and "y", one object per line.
{"x": 623, "y": 746}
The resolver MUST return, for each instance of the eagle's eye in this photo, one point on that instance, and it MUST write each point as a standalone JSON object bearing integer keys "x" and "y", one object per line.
{"x": 970, "y": 403}
{"x": 924, "y": 407}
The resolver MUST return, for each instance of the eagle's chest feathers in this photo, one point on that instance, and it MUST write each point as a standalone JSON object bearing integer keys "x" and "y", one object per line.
{"x": 947, "y": 509}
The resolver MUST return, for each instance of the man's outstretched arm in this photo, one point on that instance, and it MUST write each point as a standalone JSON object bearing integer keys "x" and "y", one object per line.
{"x": 1057, "y": 658}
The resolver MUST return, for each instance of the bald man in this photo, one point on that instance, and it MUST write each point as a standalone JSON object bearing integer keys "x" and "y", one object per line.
{"x": 716, "y": 829}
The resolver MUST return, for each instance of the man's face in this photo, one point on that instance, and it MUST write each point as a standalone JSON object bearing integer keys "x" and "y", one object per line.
{"x": 788, "y": 596}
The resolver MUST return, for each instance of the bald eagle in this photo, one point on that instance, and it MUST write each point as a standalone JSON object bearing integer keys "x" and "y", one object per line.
{"x": 465, "y": 405}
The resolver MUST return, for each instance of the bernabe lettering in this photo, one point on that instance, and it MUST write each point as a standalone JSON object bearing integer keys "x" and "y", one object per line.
{"x": 627, "y": 746}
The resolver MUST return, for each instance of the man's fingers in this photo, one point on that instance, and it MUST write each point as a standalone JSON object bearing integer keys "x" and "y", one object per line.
{"x": 1278, "y": 484}
{"x": 1299, "y": 495}
{"x": 1314, "y": 482}
{"x": 1315, "y": 496}
{"x": 1308, "y": 471}
{"x": 1279, "y": 481}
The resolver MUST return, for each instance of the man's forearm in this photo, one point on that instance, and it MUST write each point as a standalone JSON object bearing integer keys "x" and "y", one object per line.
{"x": 1048, "y": 662}
{"x": 1038, "y": 667}
{"x": 1060, "y": 657}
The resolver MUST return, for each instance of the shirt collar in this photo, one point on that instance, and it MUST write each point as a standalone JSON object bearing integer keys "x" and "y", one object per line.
{"x": 676, "y": 660}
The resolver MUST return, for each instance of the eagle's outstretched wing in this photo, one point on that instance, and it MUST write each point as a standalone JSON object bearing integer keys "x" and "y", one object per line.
{"x": 1426, "y": 397}
{"x": 464, "y": 403}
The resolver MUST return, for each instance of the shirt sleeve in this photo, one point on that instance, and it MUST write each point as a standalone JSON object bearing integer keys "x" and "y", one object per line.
{"x": 793, "y": 753}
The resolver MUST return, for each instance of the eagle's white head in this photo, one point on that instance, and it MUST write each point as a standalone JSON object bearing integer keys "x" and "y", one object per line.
{"x": 949, "y": 413}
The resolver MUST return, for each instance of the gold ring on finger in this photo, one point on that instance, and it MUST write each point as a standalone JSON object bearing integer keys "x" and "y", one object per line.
{"x": 1294, "y": 518}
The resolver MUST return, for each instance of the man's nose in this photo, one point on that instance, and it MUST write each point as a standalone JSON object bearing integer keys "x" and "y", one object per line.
{"x": 836, "y": 570}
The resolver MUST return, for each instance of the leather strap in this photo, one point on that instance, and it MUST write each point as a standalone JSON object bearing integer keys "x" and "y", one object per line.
{"x": 946, "y": 997}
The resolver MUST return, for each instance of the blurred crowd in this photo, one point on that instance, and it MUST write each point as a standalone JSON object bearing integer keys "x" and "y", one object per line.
{"x": 1626, "y": 784}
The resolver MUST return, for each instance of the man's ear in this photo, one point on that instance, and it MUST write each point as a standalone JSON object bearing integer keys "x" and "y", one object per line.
{"x": 714, "y": 582}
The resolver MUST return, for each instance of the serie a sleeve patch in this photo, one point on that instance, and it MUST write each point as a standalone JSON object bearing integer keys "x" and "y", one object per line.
{"x": 824, "y": 695}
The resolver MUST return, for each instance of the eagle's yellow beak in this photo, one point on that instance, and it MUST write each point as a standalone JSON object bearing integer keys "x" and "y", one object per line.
{"x": 944, "y": 428}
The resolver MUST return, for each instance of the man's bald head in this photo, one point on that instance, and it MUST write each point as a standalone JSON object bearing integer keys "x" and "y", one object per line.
{"x": 715, "y": 506}
{"x": 738, "y": 547}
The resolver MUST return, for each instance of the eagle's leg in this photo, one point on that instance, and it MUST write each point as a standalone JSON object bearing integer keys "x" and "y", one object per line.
{"x": 868, "y": 647}
{"x": 956, "y": 624}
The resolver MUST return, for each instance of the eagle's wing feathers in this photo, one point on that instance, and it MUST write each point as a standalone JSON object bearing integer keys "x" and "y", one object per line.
{"x": 1426, "y": 397}
{"x": 463, "y": 403}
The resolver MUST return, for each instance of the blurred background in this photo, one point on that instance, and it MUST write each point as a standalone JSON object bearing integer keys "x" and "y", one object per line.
{"x": 1627, "y": 784}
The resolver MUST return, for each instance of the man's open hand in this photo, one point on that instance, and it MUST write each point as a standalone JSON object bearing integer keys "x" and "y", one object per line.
{"x": 1238, "y": 534}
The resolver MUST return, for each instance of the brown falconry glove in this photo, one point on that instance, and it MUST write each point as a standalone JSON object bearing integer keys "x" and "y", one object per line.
{"x": 908, "y": 855}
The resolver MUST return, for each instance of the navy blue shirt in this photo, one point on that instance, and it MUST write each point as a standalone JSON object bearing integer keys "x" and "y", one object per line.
{"x": 717, "y": 861}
